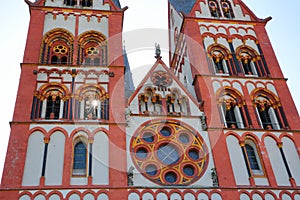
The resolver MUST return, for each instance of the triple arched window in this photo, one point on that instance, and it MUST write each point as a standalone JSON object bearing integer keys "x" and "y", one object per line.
{"x": 150, "y": 102}
{"x": 216, "y": 6}
{"x": 173, "y": 104}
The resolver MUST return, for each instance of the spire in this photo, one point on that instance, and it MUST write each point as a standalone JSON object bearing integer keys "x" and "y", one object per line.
{"x": 128, "y": 81}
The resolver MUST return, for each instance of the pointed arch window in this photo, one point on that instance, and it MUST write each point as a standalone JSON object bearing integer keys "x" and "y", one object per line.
{"x": 227, "y": 9}
{"x": 231, "y": 112}
{"x": 214, "y": 8}
{"x": 80, "y": 158}
{"x": 253, "y": 158}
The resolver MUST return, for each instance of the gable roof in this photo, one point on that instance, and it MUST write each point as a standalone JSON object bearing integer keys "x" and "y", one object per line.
{"x": 184, "y": 6}
{"x": 156, "y": 65}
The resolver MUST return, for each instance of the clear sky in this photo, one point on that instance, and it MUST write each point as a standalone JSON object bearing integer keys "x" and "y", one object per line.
{"x": 145, "y": 24}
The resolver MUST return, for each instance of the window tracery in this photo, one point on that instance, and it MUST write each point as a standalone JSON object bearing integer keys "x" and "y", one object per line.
{"x": 168, "y": 153}
{"x": 93, "y": 49}
{"x": 57, "y": 47}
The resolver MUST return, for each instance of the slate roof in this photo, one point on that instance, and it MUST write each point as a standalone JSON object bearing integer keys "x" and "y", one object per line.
{"x": 184, "y": 6}
{"x": 117, "y": 3}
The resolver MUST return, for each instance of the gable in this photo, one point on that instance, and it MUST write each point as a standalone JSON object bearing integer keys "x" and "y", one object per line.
{"x": 161, "y": 93}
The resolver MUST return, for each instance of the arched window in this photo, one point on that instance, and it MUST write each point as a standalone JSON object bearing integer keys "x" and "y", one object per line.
{"x": 248, "y": 64}
{"x": 214, "y": 8}
{"x": 93, "y": 56}
{"x": 80, "y": 158}
{"x": 50, "y": 102}
{"x": 93, "y": 49}
{"x": 250, "y": 61}
{"x": 231, "y": 112}
{"x": 176, "y": 103}
{"x": 92, "y": 103}
{"x": 254, "y": 163}
{"x": 227, "y": 9}
{"x": 150, "y": 103}
{"x": 59, "y": 54}
{"x": 268, "y": 116}
{"x": 57, "y": 47}
{"x": 53, "y": 107}
{"x": 219, "y": 57}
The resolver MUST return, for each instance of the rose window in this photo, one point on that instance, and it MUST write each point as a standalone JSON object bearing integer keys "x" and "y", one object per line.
{"x": 161, "y": 79}
{"x": 169, "y": 153}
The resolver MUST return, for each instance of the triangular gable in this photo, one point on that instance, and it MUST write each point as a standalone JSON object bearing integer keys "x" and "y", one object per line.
{"x": 159, "y": 65}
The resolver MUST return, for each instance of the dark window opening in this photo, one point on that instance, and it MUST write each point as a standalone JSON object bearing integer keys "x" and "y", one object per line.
{"x": 252, "y": 157}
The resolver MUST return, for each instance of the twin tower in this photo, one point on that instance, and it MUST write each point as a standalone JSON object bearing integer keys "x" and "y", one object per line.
{"x": 217, "y": 122}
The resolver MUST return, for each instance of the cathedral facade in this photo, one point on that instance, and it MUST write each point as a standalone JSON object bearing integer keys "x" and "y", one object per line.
{"x": 216, "y": 122}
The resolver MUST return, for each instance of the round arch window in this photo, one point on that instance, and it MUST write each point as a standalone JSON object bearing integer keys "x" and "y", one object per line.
{"x": 169, "y": 153}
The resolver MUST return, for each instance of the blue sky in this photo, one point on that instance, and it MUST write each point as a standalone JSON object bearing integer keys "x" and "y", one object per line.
{"x": 284, "y": 33}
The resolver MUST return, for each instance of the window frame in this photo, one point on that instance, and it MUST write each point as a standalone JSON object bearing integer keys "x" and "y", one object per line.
{"x": 84, "y": 171}
{"x": 258, "y": 157}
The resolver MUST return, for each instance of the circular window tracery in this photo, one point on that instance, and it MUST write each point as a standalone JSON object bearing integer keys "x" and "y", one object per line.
{"x": 168, "y": 153}
{"x": 91, "y": 51}
{"x": 60, "y": 49}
